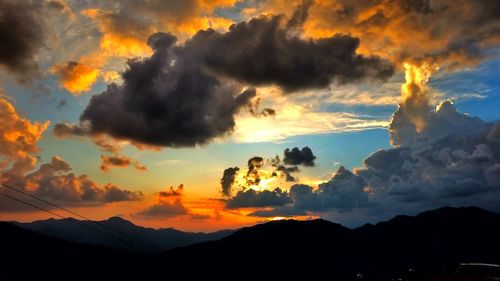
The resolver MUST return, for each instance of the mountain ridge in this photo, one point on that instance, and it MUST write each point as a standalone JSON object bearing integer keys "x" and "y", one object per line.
{"x": 428, "y": 246}
{"x": 84, "y": 231}
{"x": 403, "y": 247}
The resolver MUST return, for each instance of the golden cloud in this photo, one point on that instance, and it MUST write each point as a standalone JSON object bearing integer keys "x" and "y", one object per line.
{"x": 76, "y": 77}
{"x": 18, "y": 136}
{"x": 443, "y": 32}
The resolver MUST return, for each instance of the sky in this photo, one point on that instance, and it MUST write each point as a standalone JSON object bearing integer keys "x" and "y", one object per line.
{"x": 211, "y": 114}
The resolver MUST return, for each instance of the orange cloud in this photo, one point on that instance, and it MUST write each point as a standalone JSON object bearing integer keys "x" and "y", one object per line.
{"x": 76, "y": 77}
{"x": 168, "y": 204}
{"x": 210, "y": 5}
{"x": 118, "y": 40}
{"x": 56, "y": 182}
{"x": 201, "y": 23}
{"x": 442, "y": 32}
{"x": 119, "y": 161}
{"x": 18, "y": 136}
{"x": 125, "y": 35}
{"x": 111, "y": 76}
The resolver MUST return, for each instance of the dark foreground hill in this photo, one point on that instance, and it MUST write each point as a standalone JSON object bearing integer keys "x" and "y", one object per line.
{"x": 136, "y": 238}
{"x": 425, "y": 247}
{"x": 405, "y": 247}
{"x": 27, "y": 255}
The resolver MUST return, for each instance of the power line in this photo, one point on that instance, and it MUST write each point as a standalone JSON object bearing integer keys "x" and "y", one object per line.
{"x": 83, "y": 217}
{"x": 56, "y": 214}
{"x": 34, "y": 206}
{"x": 42, "y": 200}
{"x": 143, "y": 243}
{"x": 69, "y": 219}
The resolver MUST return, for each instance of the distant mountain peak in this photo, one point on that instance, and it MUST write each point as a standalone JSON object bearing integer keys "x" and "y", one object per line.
{"x": 120, "y": 222}
{"x": 117, "y": 219}
{"x": 94, "y": 232}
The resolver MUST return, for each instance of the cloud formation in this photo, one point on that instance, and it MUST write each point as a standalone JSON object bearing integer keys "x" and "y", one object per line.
{"x": 76, "y": 77}
{"x": 168, "y": 204}
{"x": 449, "y": 161}
{"x": 54, "y": 181}
{"x": 263, "y": 52}
{"x": 343, "y": 193}
{"x": 287, "y": 172}
{"x": 254, "y": 164}
{"x": 23, "y": 32}
{"x": 227, "y": 180}
{"x": 441, "y": 157}
{"x": 172, "y": 192}
{"x": 296, "y": 156}
{"x": 120, "y": 34}
{"x": 120, "y": 161}
{"x": 18, "y": 136}
{"x": 163, "y": 209}
{"x": 454, "y": 33}
{"x": 259, "y": 171}
{"x": 165, "y": 100}
{"x": 180, "y": 95}
{"x": 125, "y": 33}
{"x": 258, "y": 199}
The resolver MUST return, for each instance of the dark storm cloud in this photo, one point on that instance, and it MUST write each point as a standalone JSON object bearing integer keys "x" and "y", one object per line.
{"x": 296, "y": 156}
{"x": 176, "y": 98}
{"x": 262, "y": 52}
{"x": 451, "y": 160}
{"x": 282, "y": 170}
{"x": 255, "y": 163}
{"x": 256, "y": 199}
{"x": 287, "y": 171}
{"x": 300, "y": 15}
{"x": 343, "y": 193}
{"x": 22, "y": 33}
{"x": 227, "y": 180}
{"x": 165, "y": 100}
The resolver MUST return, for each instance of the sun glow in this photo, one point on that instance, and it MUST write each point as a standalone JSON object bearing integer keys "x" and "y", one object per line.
{"x": 264, "y": 181}
{"x": 414, "y": 94}
{"x": 277, "y": 218}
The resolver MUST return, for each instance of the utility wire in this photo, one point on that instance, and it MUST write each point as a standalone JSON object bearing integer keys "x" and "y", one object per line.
{"x": 34, "y": 206}
{"x": 58, "y": 215}
{"x": 151, "y": 246}
{"x": 143, "y": 243}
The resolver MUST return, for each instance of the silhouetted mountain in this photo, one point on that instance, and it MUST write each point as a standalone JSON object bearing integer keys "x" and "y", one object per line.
{"x": 27, "y": 255}
{"x": 404, "y": 247}
{"x": 428, "y": 246}
{"x": 135, "y": 238}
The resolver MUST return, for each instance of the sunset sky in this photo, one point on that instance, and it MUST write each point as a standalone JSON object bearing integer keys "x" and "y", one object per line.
{"x": 211, "y": 114}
